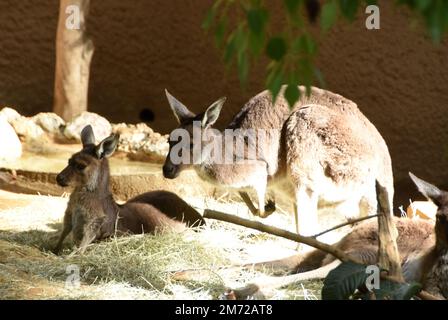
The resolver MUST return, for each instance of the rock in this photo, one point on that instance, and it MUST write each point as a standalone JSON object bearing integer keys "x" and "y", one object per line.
{"x": 23, "y": 126}
{"x": 49, "y": 121}
{"x": 26, "y": 128}
{"x": 101, "y": 127}
{"x": 11, "y": 148}
{"x": 10, "y": 114}
{"x": 140, "y": 138}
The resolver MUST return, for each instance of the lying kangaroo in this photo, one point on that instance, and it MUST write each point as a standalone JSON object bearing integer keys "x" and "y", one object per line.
{"x": 92, "y": 214}
{"x": 322, "y": 152}
{"x": 423, "y": 250}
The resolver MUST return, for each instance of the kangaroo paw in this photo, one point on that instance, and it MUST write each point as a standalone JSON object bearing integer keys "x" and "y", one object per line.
{"x": 269, "y": 208}
{"x": 56, "y": 250}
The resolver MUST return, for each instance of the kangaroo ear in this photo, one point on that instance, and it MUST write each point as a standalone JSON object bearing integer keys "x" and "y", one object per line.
{"x": 212, "y": 113}
{"x": 87, "y": 135}
{"x": 107, "y": 147}
{"x": 179, "y": 109}
{"x": 429, "y": 190}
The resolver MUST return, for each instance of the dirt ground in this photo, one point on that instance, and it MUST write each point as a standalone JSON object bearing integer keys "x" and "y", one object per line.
{"x": 135, "y": 267}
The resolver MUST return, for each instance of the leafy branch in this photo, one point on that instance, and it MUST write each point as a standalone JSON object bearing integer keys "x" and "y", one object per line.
{"x": 245, "y": 32}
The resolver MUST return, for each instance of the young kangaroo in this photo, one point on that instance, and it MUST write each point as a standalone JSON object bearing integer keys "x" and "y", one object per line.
{"x": 92, "y": 214}
{"x": 423, "y": 249}
{"x": 322, "y": 152}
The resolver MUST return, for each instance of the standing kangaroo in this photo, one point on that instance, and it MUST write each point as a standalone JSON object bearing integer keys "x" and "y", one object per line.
{"x": 423, "y": 250}
{"x": 92, "y": 214}
{"x": 322, "y": 152}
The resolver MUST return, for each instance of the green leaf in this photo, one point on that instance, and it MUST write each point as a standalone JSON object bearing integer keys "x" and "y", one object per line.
{"x": 256, "y": 19}
{"x": 240, "y": 38}
{"x": 230, "y": 49}
{"x": 435, "y": 25}
{"x": 390, "y": 290}
{"x": 343, "y": 281}
{"x": 305, "y": 44}
{"x": 329, "y": 15}
{"x": 292, "y": 94}
{"x": 209, "y": 16}
{"x": 349, "y": 8}
{"x": 220, "y": 32}
{"x": 276, "y": 48}
{"x": 274, "y": 82}
{"x": 423, "y": 4}
{"x": 243, "y": 67}
{"x": 256, "y": 43}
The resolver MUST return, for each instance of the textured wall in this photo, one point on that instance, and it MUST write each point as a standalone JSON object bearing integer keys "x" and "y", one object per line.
{"x": 396, "y": 75}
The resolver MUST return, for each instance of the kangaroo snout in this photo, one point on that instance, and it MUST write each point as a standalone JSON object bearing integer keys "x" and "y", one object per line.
{"x": 170, "y": 171}
{"x": 60, "y": 179}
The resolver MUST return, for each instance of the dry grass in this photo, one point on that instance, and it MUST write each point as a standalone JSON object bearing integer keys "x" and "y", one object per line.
{"x": 133, "y": 267}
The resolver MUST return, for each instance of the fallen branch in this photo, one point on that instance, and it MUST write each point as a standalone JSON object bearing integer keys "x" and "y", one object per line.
{"x": 216, "y": 215}
{"x": 341, "y": 255}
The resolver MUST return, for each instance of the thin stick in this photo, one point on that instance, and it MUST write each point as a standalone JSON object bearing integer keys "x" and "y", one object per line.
{"x": 344, "y": 224}
{"x": 212, "y": 214}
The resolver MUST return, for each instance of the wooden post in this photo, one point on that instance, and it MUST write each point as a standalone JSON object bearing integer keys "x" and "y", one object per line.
{"x": 74, "y": 52}
{"x": 388, "y": 254}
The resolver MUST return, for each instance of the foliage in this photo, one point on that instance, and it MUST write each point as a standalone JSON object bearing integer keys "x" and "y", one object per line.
{"x": 434, "y": 14}
{"x": 390, "y": 290}
{"x": 243, "y": 30}
{"x": 344, "y": 281}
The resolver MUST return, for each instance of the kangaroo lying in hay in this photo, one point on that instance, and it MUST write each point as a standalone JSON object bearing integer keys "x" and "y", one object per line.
{"x": 423, "y": 250}
{"x": 92, "y": 214}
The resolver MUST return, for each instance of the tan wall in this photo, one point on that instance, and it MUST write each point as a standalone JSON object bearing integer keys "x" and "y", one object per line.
{"x": 396, "y": 75}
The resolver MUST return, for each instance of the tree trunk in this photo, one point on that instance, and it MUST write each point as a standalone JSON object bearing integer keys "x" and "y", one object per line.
{"x": 74, "y": 52}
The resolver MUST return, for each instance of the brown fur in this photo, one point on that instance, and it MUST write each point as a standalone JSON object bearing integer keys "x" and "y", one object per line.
{"x": 322, "y": 152}
{"x": 92, "y": 214}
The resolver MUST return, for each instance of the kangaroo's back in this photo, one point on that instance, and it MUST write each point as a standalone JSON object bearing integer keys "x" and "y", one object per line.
{"x": 261, "y": 113}
{"x": 171, "y": 205}
{"x": 415, "y": 243}
{"x": 142, "y": 217}
{"x": 336, "y": 120}
{"x": 341, "y": 141}
{"x": 414, "y": 236}
{"x": 346, "y": 143}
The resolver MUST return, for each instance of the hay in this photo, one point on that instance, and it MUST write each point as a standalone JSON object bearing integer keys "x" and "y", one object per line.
{"x": 132, "y": 267}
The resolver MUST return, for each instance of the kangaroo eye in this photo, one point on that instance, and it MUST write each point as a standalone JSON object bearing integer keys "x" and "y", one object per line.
{"x": 80, "y": 166}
